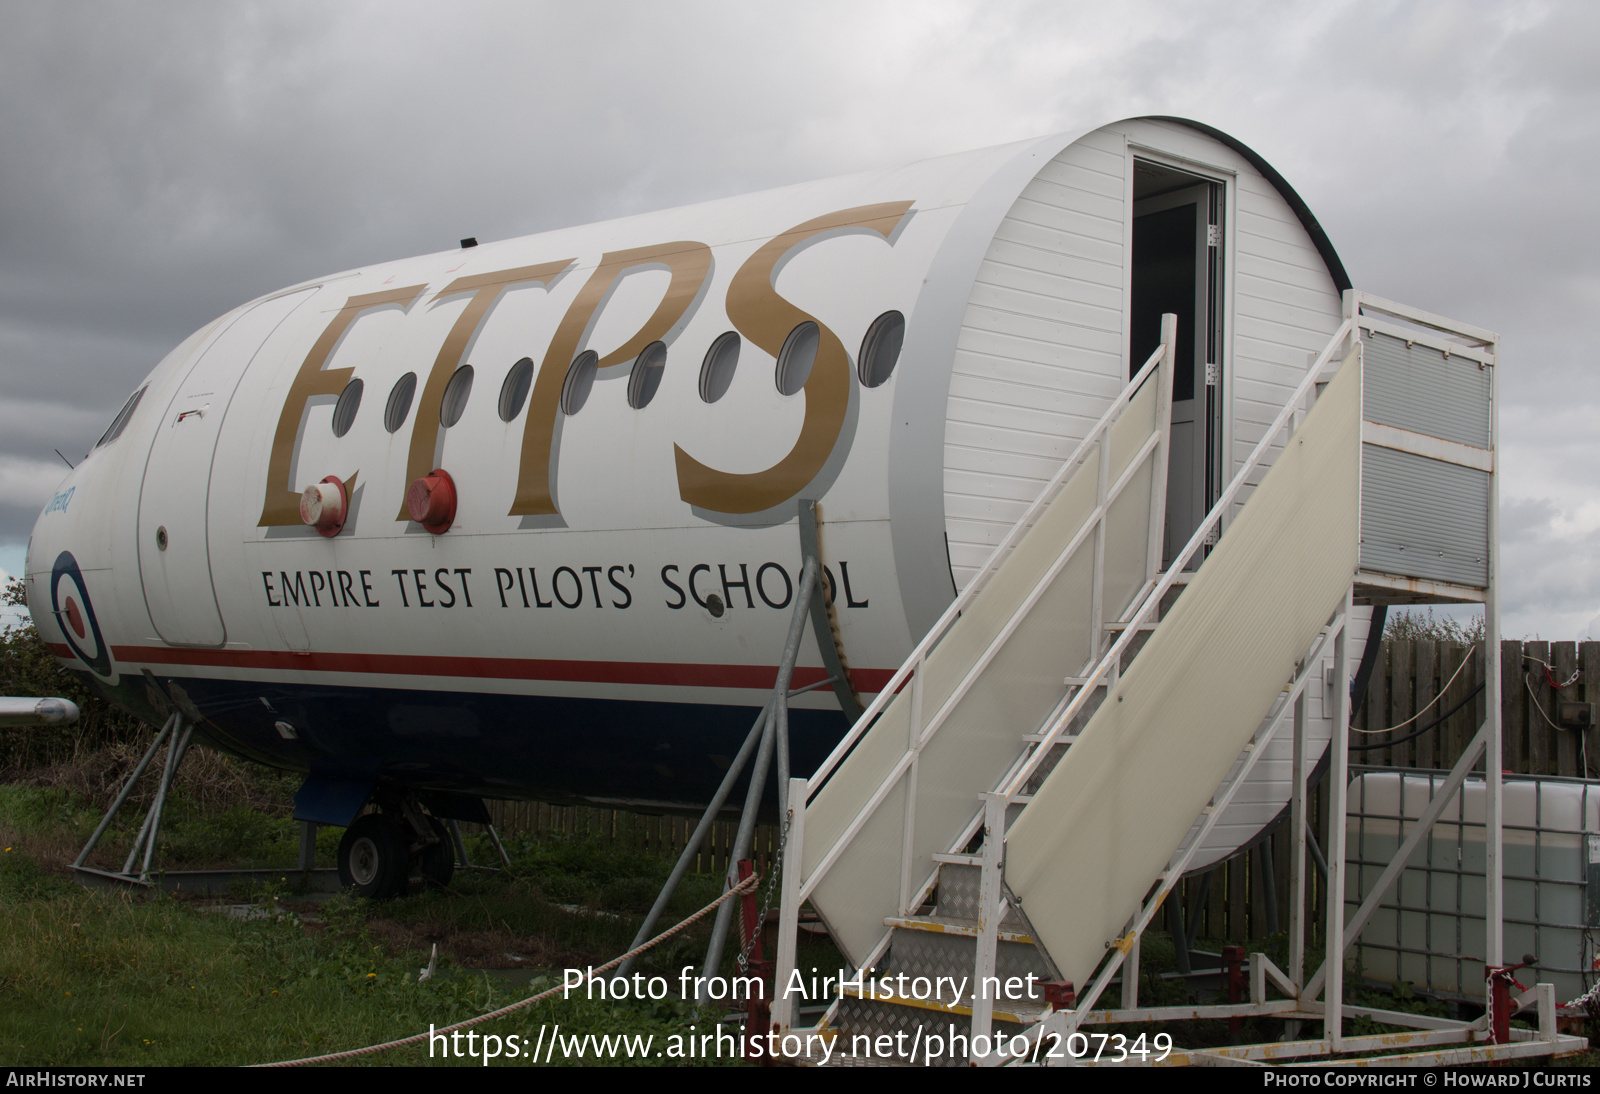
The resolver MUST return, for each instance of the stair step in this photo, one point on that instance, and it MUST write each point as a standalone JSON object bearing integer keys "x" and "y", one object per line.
{"x": 1021, "y": 1012}
{"x": 945, "y": 924}
{"x": 1038, "y": 738}
{"x": 1127, "y": 626}
{"x": 957, "y": 860}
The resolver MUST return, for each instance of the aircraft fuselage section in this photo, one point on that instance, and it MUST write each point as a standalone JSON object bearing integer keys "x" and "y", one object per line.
{"x": 624, "y": 523}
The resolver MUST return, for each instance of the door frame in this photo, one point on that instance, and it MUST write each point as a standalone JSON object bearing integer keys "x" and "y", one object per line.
{"x": 1225, "y": 178}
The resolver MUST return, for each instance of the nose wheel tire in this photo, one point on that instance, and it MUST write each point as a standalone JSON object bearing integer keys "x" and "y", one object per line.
{"x": 374, "y": 856}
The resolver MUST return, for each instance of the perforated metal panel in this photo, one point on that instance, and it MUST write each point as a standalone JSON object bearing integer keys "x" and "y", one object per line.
{"x": 931, "y": 954}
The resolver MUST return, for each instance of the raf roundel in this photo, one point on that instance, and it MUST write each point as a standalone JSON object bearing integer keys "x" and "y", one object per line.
{"x": 74, "y": 613}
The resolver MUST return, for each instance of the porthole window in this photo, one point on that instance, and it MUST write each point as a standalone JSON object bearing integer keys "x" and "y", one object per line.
{"x": 344, "y": 411}
{"x": 580, "y": 379}
{"x": 716, "y": 373}
{"x": 399, "y": 405}
{"x": 456, "y": 392}
{"x": 646, "y": 375}
{"x": 514, "y": 392}
{"x": 795, "y": 359}
{"x": 880, "y": 349}
{"x": 120, "y": 422}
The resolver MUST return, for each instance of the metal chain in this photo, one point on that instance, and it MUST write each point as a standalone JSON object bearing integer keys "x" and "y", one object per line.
{"x": 1583, "y": 1000}
{"x": 766, "y": 900}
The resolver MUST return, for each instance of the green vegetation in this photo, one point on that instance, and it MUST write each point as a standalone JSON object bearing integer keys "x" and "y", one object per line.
{"x": 27, "y": 667}
{"x": 1411, "y": 625}
{"x": 95, "y": 978}
{"x": 92, "y": 978}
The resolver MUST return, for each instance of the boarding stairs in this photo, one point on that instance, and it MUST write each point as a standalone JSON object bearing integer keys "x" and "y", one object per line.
{"x": 1017, "y": 802}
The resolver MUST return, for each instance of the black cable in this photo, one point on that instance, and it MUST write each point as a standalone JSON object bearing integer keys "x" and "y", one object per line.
{"x": 1471, "y": 695}
{"x": 1369, "y": 656}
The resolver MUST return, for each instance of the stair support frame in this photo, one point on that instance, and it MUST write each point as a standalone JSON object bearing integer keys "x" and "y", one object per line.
{"x": 1442, "y": 1041}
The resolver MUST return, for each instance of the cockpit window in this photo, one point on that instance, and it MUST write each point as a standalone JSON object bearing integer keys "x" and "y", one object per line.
{"x": 120, "y": 422}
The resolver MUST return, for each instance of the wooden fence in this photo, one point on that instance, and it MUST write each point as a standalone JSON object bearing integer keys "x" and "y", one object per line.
{"x": 1247, "y": 896}
{"x": 1234, "y": 904}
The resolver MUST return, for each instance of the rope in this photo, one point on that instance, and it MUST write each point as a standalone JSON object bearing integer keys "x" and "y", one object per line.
{"x": 1459, "y": 669}
{"x": 743, "y": 886}
{"x": 1536, "y": 704}
{"x": 1550, "y": 672}
{"x": 1429, "y": 728}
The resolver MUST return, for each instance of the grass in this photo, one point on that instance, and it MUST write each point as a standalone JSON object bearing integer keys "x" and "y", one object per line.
{"x": 89, "y": 978}
{"x": 95, "y": 978}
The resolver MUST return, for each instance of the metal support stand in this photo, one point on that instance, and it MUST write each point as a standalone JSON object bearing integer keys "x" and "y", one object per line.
{"x": 177, "y": 733}
{"x": 462, "y": 859}
{"x": 127, "y": 788}
{"x": 308, "y": 845}
{"x": 991, "y": 909}
{"x": 1317, "y": 999}
{"x": 692, "y": 848}
{"x": 494, "y": 838}
{"x": 1338, "y": 788}
{"x": 769, "y": 735}
{"x": 775, "y": 732}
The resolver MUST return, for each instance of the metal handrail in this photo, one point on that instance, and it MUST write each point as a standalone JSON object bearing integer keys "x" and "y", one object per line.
{"x": 926, "y": 733}
{"x": 1018, "y": 779}
{"x": 1000, "y": 553}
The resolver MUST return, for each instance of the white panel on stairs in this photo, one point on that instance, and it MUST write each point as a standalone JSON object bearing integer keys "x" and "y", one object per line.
{"x": 982, "y": 736}
{"x": 1110, "y": 815}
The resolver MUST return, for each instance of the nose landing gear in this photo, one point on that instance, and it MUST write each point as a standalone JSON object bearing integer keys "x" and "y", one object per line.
{"x": 374, "y": 856}
{"x": 381, "y": 851}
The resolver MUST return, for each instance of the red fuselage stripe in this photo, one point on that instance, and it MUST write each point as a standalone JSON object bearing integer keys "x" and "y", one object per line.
{"x": 665, "y": 674}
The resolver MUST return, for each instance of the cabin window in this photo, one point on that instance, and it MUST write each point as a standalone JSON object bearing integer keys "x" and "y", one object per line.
{"x": 514, "y": 392}
{"x": 795, "y": 359}
{"x": 344, "y": 411}
{"x": 716, "y": 373}
{"x": 646, "y": 375}
{"x": 880, "y": 349}
{"x": 579, "y": 382}
{"x": 120, "y": 422}
{"x": 456, "y": 392}
{"x": 399, "y": 405}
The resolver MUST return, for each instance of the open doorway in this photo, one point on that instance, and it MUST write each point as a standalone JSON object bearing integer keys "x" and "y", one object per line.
{"x": 1177, "y": 267}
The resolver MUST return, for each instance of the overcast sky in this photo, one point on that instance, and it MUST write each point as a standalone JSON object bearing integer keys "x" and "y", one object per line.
{"x": 163, "y": 162}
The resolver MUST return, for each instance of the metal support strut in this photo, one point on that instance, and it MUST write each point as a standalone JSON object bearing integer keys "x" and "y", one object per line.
{"x": 774, "y": 737}
{"x": 177, "y": 732}
{"x": 768, "y": 737}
